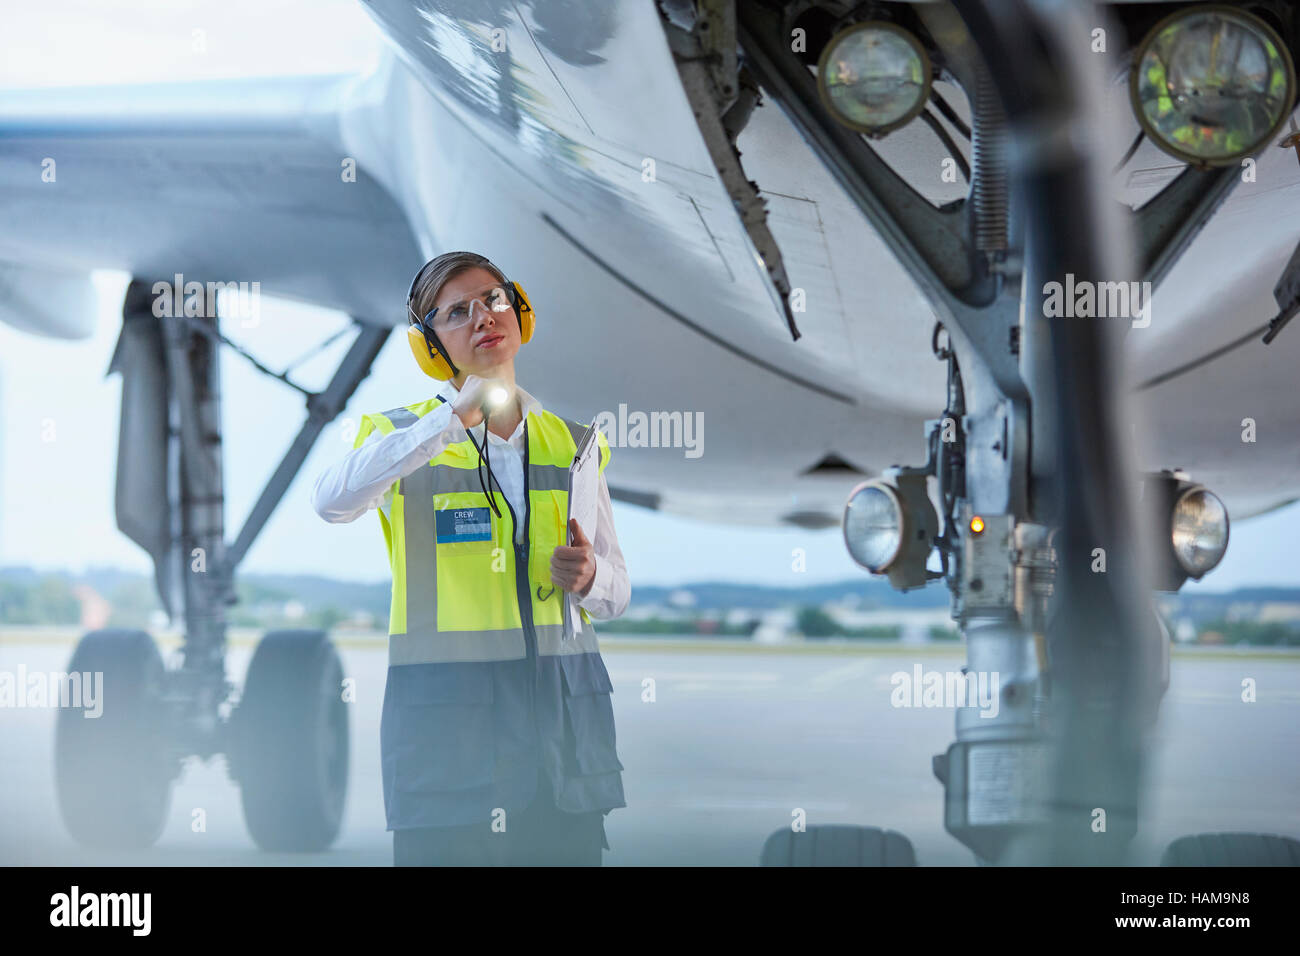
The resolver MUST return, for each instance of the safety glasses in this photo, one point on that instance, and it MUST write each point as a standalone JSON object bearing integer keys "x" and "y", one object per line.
{"x": 495, "y": 298}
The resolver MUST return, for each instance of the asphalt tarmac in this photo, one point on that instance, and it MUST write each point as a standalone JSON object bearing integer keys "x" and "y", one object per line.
{"x": 736, "y": 739}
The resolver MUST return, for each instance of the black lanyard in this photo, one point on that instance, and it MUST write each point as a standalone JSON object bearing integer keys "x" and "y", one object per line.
{"x": 484, "y": 461}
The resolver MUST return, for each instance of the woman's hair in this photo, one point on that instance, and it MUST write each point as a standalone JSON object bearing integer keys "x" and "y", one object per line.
{"x": 438, "y": 272}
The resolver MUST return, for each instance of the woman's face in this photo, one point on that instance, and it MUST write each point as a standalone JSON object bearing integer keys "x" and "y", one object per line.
{"x": 484, "y": 333}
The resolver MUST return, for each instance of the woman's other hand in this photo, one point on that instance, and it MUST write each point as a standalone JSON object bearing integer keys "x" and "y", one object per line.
{"x": 573, "y": 568}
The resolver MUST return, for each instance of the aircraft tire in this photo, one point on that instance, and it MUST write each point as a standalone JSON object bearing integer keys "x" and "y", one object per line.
{"x": 112, "y": 773}
{"x": 289, "y": 742}
{"x": 838, "y": 845}
{"x": 1232, "y": 849}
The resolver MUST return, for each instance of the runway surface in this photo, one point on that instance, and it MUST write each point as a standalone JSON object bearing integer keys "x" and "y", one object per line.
{"x": 736, "y": 739}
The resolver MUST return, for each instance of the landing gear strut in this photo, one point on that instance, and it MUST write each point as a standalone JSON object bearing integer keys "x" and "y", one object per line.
{"x": 1031, "y": 467}
{"x": 287, "y": 739}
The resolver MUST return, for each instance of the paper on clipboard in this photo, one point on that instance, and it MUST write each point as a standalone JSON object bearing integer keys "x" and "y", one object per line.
{"x": 584, "y": 495}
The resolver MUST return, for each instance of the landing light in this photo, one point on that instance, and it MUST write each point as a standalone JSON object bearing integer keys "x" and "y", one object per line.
{"x": 874, "y": 77}
{"x": 873, "y": 526}
{"x": 1199, "y": 531}
{"x": 1212, "y": 85}
{"x": 889, "y": 528}
{"x": 1192, "y": 520}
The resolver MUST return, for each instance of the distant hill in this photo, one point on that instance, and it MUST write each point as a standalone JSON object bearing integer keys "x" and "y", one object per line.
{"x": 318, "y": 593}
{"x": 1243, "y": 602}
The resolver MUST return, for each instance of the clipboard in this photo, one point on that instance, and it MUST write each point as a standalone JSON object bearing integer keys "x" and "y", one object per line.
{"x": 584, "y": 494}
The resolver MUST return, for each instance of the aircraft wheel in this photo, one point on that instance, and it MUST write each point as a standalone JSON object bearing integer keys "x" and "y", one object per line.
{"x": 1232, "y": 849}
{"x": 289, "y": 742}
{"x": 112, "y": 774}
{"x": 838, "y": 845}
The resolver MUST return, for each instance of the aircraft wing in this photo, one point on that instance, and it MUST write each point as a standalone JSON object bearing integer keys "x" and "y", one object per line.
{"x": 226, "y": 181}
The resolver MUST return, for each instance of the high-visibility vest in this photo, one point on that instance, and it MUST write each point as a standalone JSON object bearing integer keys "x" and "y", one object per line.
{"x": 484, "y": 698}
{"x": 464, "y": 600}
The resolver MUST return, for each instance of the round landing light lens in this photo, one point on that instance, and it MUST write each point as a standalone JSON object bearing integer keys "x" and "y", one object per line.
{"x": 1212, "y": 85}
{"x": 874, "y": 77}
{"x": 873, "y": 526}
{"x": 1199, "y": 530}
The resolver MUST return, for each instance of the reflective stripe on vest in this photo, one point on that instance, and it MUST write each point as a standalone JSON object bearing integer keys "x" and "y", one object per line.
{"x": 478, "y": 617}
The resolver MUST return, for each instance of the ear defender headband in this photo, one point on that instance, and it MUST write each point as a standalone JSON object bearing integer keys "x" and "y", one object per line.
{"x": 430, "y": 355}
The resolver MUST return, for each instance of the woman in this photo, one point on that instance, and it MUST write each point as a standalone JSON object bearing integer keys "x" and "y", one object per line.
{"x": 497, "y": 735}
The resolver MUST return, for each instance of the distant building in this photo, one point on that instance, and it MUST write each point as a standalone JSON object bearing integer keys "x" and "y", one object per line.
{"x": 775, "y": 626}
{"x": 357, "y": 621}
{"x": 681, "y": 598}
{"x": 740, "y": 616}
{"x": 1240, "y": 611}
{"x": 1283, "y": 611}
{"x": 913, "y": 624}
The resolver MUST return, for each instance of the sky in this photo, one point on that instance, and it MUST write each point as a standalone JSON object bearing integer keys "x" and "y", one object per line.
{"x": 58, "y": 458}
{"x": 59, "y": 411}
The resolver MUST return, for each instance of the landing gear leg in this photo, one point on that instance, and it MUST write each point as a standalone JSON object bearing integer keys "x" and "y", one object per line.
{"x": 289, "y": 741}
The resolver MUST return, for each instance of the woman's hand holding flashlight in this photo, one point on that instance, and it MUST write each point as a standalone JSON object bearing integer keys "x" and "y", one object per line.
{"x": 474, "y": 394}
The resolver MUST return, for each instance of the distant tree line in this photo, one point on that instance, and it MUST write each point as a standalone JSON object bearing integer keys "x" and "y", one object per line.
{"x": 48, "y": 600}
{"x": 51, "y": 600}
{"x": 1264, "y": 633}
{"x": 813, "y": 622}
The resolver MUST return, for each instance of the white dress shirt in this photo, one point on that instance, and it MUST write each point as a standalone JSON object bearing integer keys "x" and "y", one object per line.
{"x": 366, "y": 477}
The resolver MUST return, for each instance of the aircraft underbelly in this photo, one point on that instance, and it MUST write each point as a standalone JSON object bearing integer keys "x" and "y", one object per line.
{"x": 567, "y": 151}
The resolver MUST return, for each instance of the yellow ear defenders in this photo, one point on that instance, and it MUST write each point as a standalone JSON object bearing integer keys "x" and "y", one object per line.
{"x": 430, "y": 354}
